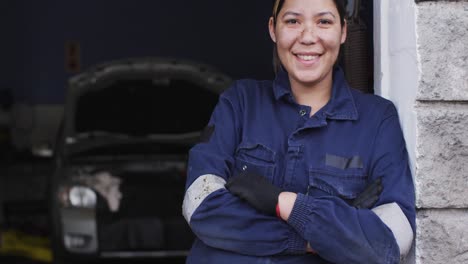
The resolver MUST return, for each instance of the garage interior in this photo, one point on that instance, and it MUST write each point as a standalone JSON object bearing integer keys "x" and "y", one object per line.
{"x": 48, "y": 43}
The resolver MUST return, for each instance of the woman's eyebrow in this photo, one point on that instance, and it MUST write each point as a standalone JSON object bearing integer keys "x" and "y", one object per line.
{"x": 316, "y": 15}
{"x": 291, "y": 13}
{"x": 325, "y": 13}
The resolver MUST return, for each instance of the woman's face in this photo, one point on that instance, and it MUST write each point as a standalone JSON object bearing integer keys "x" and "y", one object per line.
{"x": 308, "y": 35}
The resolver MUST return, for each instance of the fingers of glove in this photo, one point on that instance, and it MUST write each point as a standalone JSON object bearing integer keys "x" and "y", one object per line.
{"x": 374, "y": 187}
{"x": 370, "y": 193}
{"x": 375, "y": 192}
{"x": 366, "y": 204}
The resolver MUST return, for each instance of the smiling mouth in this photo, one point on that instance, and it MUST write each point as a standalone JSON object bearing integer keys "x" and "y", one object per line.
{"x": 307, "y": 57}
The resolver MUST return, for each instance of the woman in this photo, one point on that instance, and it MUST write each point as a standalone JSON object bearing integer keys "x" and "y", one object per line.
{"x": 302, "y": 169}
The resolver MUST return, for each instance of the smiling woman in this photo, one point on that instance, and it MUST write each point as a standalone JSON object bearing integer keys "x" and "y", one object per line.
{"x": 302, "y": 168}
{"x": 308, "y": 36}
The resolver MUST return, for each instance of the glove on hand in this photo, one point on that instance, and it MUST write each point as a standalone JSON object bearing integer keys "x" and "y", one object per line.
{"x": 256, "y": 190}
{"x": 367, "y": 198}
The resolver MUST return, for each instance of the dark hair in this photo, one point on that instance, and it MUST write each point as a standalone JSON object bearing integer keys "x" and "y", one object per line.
{"x": 278, "y": 4}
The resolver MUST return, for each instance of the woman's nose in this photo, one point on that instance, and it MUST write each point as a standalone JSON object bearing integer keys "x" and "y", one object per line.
{"x": 308, "y": 35}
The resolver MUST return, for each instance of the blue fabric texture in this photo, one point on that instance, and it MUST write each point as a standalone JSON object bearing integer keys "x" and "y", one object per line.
{"x": 260, "y": 127}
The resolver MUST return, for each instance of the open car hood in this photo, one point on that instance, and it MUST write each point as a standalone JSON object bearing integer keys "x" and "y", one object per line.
{"x": 153, "y": 99}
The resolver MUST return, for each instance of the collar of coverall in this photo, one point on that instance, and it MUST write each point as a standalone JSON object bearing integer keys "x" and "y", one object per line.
{"x": 341, "y": 105}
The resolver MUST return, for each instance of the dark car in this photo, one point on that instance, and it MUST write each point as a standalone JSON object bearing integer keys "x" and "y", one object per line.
{"x": 121, "y": 158}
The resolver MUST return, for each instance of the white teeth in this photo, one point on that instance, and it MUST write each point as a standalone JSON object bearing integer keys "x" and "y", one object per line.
{"x": 307, "y": 57}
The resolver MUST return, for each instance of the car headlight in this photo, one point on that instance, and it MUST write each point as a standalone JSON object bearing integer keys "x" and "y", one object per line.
{"x": 80, "y": 196}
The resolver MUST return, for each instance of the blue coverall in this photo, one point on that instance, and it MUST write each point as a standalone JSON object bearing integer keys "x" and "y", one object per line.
{"x": 327, "y": 158}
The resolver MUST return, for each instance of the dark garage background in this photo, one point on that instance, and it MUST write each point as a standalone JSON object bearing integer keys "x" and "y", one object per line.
{"x": 36, "y": 64}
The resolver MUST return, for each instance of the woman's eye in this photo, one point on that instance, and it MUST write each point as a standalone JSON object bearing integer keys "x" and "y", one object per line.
{"x": 325, "y": 22}
{"x": 291, "y": 21}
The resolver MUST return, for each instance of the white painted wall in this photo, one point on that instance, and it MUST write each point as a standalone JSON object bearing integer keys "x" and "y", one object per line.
{"x": 396, "y": 69}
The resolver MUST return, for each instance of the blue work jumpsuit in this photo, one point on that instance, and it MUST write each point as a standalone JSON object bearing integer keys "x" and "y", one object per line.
{"x": 327, "y": 158}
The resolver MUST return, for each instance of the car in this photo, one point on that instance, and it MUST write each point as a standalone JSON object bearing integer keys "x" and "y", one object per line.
{"x": 120, "y": 158}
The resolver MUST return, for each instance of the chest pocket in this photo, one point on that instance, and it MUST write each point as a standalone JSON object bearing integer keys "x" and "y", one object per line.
{"x": 347, "y": 183}
{"x": 255, "y": 157}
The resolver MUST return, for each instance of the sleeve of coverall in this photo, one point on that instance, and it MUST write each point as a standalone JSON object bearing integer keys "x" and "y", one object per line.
{"x": 218, "y": 218}
{"x": 342, "y": 234}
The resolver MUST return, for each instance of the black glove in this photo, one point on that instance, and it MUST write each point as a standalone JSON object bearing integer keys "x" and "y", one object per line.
{"x": 367, "y": 198}
{"x": 256, "y": 190}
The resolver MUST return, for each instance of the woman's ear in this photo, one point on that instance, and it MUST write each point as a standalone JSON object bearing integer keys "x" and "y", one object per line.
{"x": 271, "y": 28}
{"x": 344, "y": 32}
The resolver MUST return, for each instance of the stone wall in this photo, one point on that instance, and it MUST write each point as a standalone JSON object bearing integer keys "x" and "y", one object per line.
{"x": 441, "y": 107}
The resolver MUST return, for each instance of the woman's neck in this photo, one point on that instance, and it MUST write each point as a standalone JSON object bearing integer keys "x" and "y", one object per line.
{"x": 314, "y": 95}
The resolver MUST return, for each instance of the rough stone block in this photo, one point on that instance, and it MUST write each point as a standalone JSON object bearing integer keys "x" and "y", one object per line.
{"x": 442, "y": 155}
{"x": 442, "y": 30}
{"x": 442, "y": 236}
